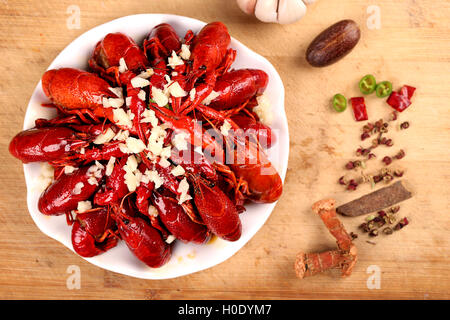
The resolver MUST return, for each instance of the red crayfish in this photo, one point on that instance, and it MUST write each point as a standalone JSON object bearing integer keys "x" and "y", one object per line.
{"x": 158, "y": 142}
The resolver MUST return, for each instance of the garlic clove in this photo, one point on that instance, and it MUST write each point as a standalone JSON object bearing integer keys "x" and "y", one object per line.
{"x": 248, "y": 6}
{"x": 290, "y": 11}
{"x": 266, "y": 10}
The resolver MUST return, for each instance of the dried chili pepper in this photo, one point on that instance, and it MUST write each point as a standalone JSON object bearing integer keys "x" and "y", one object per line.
{"x": 359, "y": 108}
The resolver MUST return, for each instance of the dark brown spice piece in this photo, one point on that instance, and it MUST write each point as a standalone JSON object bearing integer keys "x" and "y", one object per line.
{"x": 387, "y": 160}
{"x": 375, "y": 201}
{"x": 377, "y": 178}
{"x": 373, "y": 233}
{"x": 364, "y": 136}
{"x": 381, "y": 213}
{"x": 388, "y": 178}
{"x": 389, "y": 143}
{"x": 398, "y": 173}
{"x": 364, "y": 227}
{"x": 404, "y": 125}
{"x": 401, "y": 224}
{"x": 368, "y": 127}
{"x": 350, "y": 165}
{"x": 401, "y": 154}
{"x": 394, "y": 116}
{"x": 394, "y": 209}
{"x": 352, "y": 185}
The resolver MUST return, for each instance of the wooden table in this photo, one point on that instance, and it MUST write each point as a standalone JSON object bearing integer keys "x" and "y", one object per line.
{"x": 411, "y": 46}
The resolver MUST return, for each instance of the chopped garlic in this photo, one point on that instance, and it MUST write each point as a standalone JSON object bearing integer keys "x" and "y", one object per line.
{"x": 160, "y": 97}
{"x": 122, "y": 118}
{"x": 146, "y": 74}
{"x": 175, "y": 60}
{"x": 122, "y": 135}
{"x": 131, "y": 177}
{"x": 84, "y": 206}
{"x": 170, "y": 239}
{"x": 185, "y": 52}
{"x": 166, "y": 152}
{"x": 112, "y": 102}
{"x": 128, "y": 101}
{"x": 138, "y": 82}
{"x": 183, "y": 189}
{"x": 99, "y": 165}
{"x": 141, "y": 95}
{"x": 156, "y": 140}
{"x": 135, "y": 145}
{"x": 78, "y": 187}
{"x": 46, "y": 176}
{"x": 199, "y": 150}
{"x": 149, "y": 116}
{"x": 179, "y": 141}
{"x": 110, "y": 166}
{"x": 105, "y": 137}
{"x": 69, "y": 169}
{"x": 122, "y": 65}
{"x": 118, "y": 91}
{"x": 178, "y": 171}
{"x": 123, "y": 148}
{"x": 164, "y": 163}
{"x": 131, "y": 180}
{"x": 132, "y": 163}
{"x": 93, "y": 181}
{"x": 152, "y": 211}
{"x": 176, "y": 91}
{"x": 192, "y": 94}
{"x": 264, "y": 110}
{"x": 210, "y": 97}
{"x": 153, "y": 176}
{"x": 225, "y": 128}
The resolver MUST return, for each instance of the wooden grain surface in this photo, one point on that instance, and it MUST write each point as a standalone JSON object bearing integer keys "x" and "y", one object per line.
{"x": 411, "y": 47}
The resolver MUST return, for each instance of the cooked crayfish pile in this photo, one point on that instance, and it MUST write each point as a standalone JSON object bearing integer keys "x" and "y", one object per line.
{"x": 158, "y": 142}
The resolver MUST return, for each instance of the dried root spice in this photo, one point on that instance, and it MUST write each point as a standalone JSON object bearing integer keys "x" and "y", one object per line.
{"x": 375, "y": 201}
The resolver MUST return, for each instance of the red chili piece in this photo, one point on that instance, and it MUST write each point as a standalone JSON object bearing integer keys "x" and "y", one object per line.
{"x": 402, "y": 99}
{"x": 407, "y": 91}
{"x": 359, "y": 108}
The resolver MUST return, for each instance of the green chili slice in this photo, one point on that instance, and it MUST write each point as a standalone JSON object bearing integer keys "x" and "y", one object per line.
{"x": 339, "y": 102}
{"x": 384, "y": 89}
{"x": 367, "y": 84}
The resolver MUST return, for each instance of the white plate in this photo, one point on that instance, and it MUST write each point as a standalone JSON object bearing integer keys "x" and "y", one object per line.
{"x": 186, "y": 258}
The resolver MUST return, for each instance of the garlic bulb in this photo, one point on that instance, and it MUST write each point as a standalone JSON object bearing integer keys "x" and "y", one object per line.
{"x": 278, "y": 11}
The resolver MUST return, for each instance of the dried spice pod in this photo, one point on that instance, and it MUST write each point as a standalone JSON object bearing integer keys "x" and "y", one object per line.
{"x": 375, "y": 201}
{"x": 333, "y": 43}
